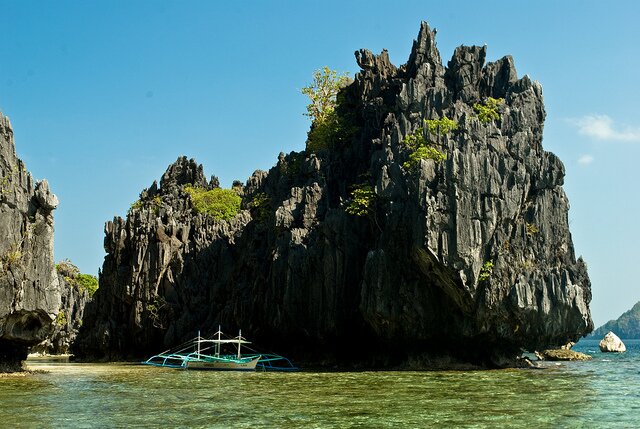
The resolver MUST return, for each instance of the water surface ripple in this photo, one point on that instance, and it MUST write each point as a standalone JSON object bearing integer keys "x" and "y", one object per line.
{"x": 604, "y": 392}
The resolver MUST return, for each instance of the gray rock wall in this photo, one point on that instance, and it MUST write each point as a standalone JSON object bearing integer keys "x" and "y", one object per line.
{"x": 301, "y": 276}
{"x": 29, "y": 288}
{"x": 67, "y": 322}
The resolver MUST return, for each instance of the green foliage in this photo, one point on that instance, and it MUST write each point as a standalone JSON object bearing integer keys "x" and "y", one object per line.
{"x": 423, "y": 152}
{"x": 441, "y": 126}
{"x": 531, "y": 229}
{"x": 87, "y": 282}
{"x": 74, "y": 277}
{"x": 322, "y": 133}
{"x": 322, "y": 93}
{"x": 12, "y": 257}
{"x": 486, "y": 271}
{"x": 67, "y": 269}
{"x": 154, "y": 204}
{"x": 260, "y": 206}
{"x": 220, "y": 204}
{"x": 7, "y": 179}
{"x": 420, "y": 149}
{"x": 415, "y": 139}
{"x": 489, "y": 111}
{"x": 362, "y": 200}
{"x": 328, "y": 128}
{"x": 155, "y": 309}
{"x": 292, "y": 165}
{"x": 136, "y": 205}
{"x": 61, "y": 319}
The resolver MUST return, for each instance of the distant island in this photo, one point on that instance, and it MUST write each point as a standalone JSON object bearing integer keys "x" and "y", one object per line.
{"x": 626, "y": 326}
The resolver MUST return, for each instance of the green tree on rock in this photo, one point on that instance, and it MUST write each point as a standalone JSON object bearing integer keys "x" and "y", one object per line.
{"x": 326, "y": 126}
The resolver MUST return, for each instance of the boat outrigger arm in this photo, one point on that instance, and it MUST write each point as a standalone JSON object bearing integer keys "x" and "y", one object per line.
{"x": 197, "y": 354}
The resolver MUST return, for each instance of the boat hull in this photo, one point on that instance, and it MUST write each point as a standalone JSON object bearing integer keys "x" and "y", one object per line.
{"x": 224, "y": 364}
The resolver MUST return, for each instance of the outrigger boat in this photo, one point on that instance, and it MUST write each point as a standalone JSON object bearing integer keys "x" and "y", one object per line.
{"x": 207, "y": 354}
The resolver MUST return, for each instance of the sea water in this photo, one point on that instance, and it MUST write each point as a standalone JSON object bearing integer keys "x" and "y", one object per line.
{"x": 601, "y": 393}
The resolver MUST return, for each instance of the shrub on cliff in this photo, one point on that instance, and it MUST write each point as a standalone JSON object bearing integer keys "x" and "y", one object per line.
{"x": 221, "y": 204}
{"x": 154, "y": 204}
{"x": 362, "y": 200}
{"x": 421, "y": 148}
{"x": 74, "y": 277}
{"x": 488, "y": 111}
{"x": 260, "y": 207}
{"x": 87, "y": 282}
{"x": 441, "y": 126}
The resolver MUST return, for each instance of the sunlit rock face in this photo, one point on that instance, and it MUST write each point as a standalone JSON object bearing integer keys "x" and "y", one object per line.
{"x": 612, "y": 343}
{"x": 465, "y": 260}
{"x": 29, "y": 287}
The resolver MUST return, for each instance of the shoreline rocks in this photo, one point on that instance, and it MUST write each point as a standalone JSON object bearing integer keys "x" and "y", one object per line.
{"x": 562, "y": 355}
{"x": 611, "y": 343}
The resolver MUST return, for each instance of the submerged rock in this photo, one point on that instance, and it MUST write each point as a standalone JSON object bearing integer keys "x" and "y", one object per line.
{"x": 29, "y": 287}
{"x": 468, "y": 259}
{"x": 612, "y": 343}
{"x": 562, "y": 355}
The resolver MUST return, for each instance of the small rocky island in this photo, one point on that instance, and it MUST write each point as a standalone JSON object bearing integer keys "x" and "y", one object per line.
{"x": 612, "y": 343}
{"x": 431, "y": 229}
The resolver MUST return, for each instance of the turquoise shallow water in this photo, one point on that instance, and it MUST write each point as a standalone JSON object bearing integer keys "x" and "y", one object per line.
{"x": 604, "y": 392}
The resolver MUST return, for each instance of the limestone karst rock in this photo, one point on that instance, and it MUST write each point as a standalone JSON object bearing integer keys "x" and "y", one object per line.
{"x": 29, "y": 288}
{"x": 612, "y": 343}
{"x": 68, "y": 319}
{"x": 469, "y": 259}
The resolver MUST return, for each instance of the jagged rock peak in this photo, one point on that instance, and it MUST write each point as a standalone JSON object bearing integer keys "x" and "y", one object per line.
{"x": 425, "y": 54}
{"x": 378, "y": 64}
{"x": 464, "y": 71}
{"x": 467, "y": 255}
{"x": 182, "y": 172}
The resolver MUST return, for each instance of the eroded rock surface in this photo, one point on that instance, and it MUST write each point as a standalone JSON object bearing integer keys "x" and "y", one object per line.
{"x": 29, "y": 288}
{"x": 68, "y": 319}
{"x": 411, "y": 280}
{"x": 562, "y": 355}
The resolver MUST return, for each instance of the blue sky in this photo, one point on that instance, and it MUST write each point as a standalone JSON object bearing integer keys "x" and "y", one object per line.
{"x": 104, "y": 95}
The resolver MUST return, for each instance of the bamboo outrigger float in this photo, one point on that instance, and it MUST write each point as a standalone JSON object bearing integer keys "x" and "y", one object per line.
{"x": 207, "y": 354}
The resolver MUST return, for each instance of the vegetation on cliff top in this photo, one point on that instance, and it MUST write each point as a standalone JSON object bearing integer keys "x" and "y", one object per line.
{"x": 155, "y": 203}
{"x": 74, "y": 277}
{"x": 327, "y": 126}
{"x": 221, "y": 204}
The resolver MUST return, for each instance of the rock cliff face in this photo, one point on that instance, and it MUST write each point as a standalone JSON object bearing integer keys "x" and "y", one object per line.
{"x": 68, "y": 320}
{"x": 470, "y": 259}
{"x": 29, "y": 288}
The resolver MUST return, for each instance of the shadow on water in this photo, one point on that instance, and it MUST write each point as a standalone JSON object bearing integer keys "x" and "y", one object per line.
{"x": 577, "y": 394}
